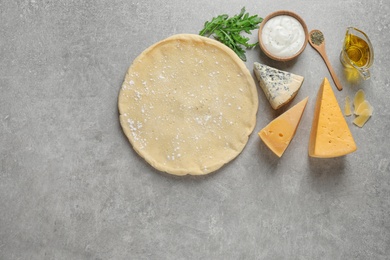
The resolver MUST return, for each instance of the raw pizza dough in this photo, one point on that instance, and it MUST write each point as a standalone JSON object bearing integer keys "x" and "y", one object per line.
{"x": 188, "y": 105}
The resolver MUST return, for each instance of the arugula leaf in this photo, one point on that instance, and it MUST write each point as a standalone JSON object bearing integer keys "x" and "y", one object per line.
{"x": 228, "y": 30}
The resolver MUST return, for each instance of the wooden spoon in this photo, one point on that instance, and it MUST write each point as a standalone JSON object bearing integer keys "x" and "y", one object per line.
{"x": 317, "y": 41}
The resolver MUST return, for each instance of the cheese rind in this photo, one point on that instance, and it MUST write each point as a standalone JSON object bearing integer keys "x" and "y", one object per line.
{"x": 280, "y": 87}
{"x": 278, "y": 134}
{"x": 330, "y": 135}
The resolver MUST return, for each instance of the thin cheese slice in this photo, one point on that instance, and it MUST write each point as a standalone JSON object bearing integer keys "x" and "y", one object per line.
{"x": 278, "y": 134}
{"x": 330, "y": 135}
{"x": 363, "y": 117}
{"x": 280, "y": 87}
{"x": 347, "y": 109}
{"x": 360, "y": 96}
{"x": 365, "y": 105}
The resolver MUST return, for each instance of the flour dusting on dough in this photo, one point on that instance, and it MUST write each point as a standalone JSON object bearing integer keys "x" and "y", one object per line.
{"x": 188, "y": 105}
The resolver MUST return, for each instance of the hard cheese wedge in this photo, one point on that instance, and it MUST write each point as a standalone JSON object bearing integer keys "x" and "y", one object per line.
{"x": 278, "y": 134}
{"x": 330, "y": 135}
{"x": 279, "y": 86}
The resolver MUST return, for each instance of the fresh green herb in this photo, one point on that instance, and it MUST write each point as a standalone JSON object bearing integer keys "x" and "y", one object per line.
{"x": 228, "y": 30}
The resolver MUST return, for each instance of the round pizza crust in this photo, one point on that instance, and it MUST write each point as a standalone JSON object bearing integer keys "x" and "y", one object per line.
{"x": 188, "y": 105}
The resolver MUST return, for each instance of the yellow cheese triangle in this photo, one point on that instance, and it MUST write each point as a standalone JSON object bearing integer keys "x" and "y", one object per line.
{"x": 330, "y": 135}
{"x": 278, "y": 134}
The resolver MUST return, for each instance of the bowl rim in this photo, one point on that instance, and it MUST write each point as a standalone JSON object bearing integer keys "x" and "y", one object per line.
{"x": 278, "y": 13}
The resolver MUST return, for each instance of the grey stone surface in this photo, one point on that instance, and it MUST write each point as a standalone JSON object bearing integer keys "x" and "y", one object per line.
{"x": 71, "y": 186}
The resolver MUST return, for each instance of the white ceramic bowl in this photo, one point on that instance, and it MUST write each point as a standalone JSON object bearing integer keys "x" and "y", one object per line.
{"x": 262, "y": 45}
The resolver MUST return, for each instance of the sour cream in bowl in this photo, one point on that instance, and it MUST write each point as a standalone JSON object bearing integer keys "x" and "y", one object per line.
{"x": 283, "y": 35}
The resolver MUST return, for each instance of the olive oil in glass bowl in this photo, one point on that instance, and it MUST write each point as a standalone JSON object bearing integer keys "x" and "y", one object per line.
{"x": 357, "y": 52}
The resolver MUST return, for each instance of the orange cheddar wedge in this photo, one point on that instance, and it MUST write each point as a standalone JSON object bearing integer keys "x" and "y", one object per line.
{"x": 330, "y": 135}
{"x": 278, "y": 134}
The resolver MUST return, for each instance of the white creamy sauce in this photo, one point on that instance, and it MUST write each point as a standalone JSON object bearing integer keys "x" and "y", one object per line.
{"x": 283, "y": 36}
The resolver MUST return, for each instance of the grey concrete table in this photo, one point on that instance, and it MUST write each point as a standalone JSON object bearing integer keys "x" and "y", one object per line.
{"x": 71, "y": 186}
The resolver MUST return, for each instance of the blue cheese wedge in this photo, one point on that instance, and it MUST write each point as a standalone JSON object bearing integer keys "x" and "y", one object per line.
{"x": 279, "y": 86}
